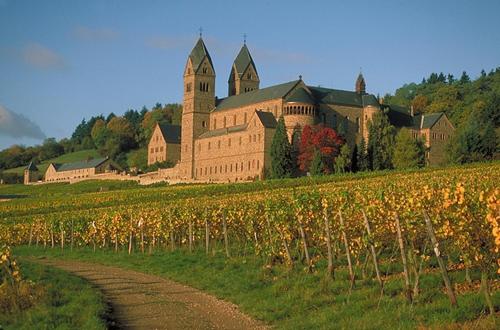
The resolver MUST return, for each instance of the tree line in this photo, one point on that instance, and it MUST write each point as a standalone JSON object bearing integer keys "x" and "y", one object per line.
{"x": 473, "y": 107}
{"x": 122, "y": 138}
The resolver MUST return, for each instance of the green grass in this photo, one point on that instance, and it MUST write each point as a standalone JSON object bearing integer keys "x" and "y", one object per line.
{"x": 293, "y": 299}
{"x": 68, "y": 302}
{"x": 66, "y": 158}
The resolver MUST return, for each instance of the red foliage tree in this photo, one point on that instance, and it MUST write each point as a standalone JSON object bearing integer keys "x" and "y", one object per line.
{"x": 322, "y": 139}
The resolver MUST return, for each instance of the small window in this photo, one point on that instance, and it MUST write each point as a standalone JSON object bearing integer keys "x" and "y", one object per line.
{"x": 204, "y": 124}
{"x": 249, "y": 75}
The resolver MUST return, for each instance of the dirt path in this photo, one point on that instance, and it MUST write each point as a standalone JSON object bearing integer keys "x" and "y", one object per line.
{"x": 142, "y": 301}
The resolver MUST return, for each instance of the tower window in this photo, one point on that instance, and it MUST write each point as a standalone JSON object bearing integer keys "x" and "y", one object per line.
{"x": 204, "y": 69}
{"x": 188, "y": 87}
{"x": 203, "y": 124}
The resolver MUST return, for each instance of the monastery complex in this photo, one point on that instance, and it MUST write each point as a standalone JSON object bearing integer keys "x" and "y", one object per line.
{"x": 229, "y": 139}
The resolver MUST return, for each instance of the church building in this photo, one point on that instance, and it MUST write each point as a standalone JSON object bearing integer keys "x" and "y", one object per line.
{"x": 228, "y": 139}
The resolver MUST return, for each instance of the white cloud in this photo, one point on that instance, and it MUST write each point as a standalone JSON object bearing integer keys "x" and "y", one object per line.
{"x": 164, "y": 42}
{"x": 17, "y": 126}
{"x": 42, "y": 57}
{"x": 95, "y": 34}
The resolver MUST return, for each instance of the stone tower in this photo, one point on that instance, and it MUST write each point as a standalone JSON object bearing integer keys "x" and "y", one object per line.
{"x": 30, "y": 173}
{"x": 198, "y": 102}
{"x": 360, "y": 84}
{"x": 243, "y": 77}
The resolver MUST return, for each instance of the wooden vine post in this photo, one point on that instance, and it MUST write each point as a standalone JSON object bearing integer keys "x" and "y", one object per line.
{"x": 72, "y": 235}
{"x": 330, "y": 269}
{"x": 190, "y": 233}
{"x": 304, "y": 243}
{"x": 61, "y": 228}
{"x": 372, "y": 250}
{"x": 347, "y": 251}
{"x": 207, "y": 236}
{"x": 403, "y": 258}
{"x": 226, "y": 241}
{"x": 442, "y": 266}
{"x": 31, "y": 234}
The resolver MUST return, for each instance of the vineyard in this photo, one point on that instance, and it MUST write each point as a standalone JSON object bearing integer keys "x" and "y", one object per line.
{"x": 397, "y": 225}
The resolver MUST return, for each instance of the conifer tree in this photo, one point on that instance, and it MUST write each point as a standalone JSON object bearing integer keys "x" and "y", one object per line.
{"x": 317, "y": 166}
{"x": 362, "y": 157}
{"x": 408, "y": 153}
{"x": 380, "y": 142}
{"x": 343, "y": 160}
{"x": 281, "y": 158}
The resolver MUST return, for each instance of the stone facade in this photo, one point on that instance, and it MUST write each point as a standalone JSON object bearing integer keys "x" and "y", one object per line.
{"x": 84, "y": 170}
{"x": 229, "y": 139}
{"x": 162, "y": 147}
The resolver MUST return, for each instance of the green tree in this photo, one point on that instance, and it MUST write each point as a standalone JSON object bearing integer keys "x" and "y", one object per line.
{"x": 99, "y": 133}
{"x": 138, "y": 159}
{"x": 408, "y": 152}
{"x": 281, "y": 157}
{"x": 343, "y": 160}
{"x": 362, "y": 156}
{"x": 380, "y": 142}
{"x": 317, "y": 167}
{"x": 464, "y": 79}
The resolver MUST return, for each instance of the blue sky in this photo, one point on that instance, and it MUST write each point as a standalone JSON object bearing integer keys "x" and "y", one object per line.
{"x": 61, "y": 61}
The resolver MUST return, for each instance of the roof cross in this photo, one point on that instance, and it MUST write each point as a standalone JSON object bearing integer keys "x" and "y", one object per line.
{"x": 201, "y": 31}
{"x": 244, "y": 38}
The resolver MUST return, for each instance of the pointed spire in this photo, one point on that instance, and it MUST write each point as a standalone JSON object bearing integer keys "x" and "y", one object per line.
{"x": 199, "y": 53}
{"x": 243, "y": 60}
{"x": 360, "y": 84}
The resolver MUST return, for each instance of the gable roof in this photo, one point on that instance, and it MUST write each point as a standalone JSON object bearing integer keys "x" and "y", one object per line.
{"x": 223, "y": 131}
{"x": 171, "y": 133}
{"x": 399, "y": 116}
{"x": 338, "y": 96}
{"x": 199, "y": 53}
{"x": 243, "y": 60}
{"x": 91, "y": 163}
{"x": 426, "y": 120}
{"x": 31, "y": 167}
{"x": 300, "y": 95}
{"x": 256, "y": 96}
{"x": 267, "y": 119}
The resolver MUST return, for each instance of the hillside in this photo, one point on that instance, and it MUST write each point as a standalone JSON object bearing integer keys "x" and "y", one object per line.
{"x": 65, "y": 158}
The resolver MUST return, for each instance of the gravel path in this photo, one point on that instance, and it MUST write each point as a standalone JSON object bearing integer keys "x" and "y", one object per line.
{"x": 142, "y": 301}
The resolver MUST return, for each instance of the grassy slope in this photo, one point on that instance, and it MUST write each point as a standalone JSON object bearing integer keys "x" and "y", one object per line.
{"x": 66, "y": 158}
{"x": 68, "y": 302}
{"x": 292, "y": 299}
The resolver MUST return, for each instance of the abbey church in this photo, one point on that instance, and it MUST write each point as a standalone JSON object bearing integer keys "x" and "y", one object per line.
{"x": 228, "y": 139}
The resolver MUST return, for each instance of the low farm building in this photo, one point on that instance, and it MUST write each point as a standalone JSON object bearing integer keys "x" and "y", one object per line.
{"x": 85, "y": 169}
